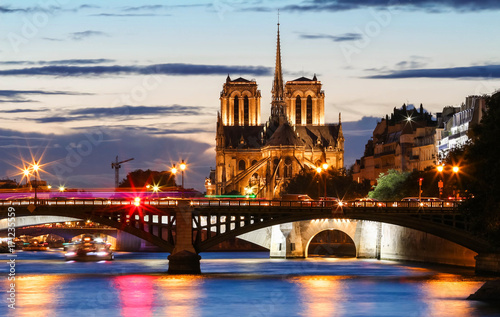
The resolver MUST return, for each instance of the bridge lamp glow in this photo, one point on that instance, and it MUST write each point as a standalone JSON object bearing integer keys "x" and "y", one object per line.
{"x": 62, "y": 188}
{"x": 324, "y": 166}
{"x": 409, "y": 119}
{"x": 455, "y": 169}
{"x": 440, "y": 168}
{"x": 318, "y": 169}
{"x": 137, "y": 201}
{"x": 26, "y": 172}
{"x": 173, "y": 169}
{"x": 182, "y": 166}
{"x": 156, "y": 188}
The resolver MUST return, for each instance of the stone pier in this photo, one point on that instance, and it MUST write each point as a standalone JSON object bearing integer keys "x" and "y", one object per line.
{"x": 184, "y": 259}
{"x": 488, "y": 263}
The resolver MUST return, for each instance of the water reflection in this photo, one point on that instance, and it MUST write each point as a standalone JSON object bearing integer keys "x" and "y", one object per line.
{"x": 37, "y": 293}
{"x": 180, "y": 294}
{"x": 136, "y": 295}
{"x": 444, "y": 295}
{"x": 321, "y": 295}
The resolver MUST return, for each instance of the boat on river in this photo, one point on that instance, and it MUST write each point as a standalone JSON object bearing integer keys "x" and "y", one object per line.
{"x": 89, "y": 249}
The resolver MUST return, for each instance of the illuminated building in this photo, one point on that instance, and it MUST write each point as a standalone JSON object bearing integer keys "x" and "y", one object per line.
{"x": 259, "y": 158}
{"x": 459, "y": 122}
{"x": 404, "y": 142}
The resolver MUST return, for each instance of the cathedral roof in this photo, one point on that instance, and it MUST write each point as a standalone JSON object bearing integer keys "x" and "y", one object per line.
{"x": 241, "y": 80}
{"x": 302, "y": 79}
{"x": 284, "y": 135}
{"x": 243, "y": 137}
{"x": 325, "y": 136}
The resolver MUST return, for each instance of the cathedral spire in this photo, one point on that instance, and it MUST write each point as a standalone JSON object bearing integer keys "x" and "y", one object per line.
{"x": 278, "y": 100}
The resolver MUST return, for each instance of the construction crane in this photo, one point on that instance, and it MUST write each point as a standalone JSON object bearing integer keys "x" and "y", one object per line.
{"x": 116, "y": 165}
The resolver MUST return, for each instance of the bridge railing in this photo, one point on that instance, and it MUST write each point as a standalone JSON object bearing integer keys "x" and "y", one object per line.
{"x": 448, "y": 205}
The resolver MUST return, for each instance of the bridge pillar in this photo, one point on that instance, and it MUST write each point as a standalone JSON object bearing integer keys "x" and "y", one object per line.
{"x": 184, "y": 259}
{"x": 286, "y": 241}
{"x": 488, "y": 263}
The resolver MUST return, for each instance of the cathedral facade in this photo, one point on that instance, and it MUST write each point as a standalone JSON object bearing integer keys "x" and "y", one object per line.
{"x": 255, "y": 158}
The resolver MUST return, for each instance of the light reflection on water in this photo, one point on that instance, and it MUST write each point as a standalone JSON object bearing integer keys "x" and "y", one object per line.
{"x": 238, "y": 284}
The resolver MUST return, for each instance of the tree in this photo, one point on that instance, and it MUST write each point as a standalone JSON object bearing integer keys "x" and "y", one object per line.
{"x": 482, "y": 167}
{"x": 338, "y": 184}
{"x": 140, "y": 178}
{"x": 390, "y": 186}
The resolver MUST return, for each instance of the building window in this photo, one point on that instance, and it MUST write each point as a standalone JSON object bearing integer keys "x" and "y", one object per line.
{"x": 236, "y": 111}
{"x": 254, "y": 162}
{"x": 287, "y": 172}
{"x": 276, "y": 167}
{"x": 245, "y": 111}
{"x": 298, "y": 110}
{"x": 241, "y": 165}
{"x": 309, "y": 116}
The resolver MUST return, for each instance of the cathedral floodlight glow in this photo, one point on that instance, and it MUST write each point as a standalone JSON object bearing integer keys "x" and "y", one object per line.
{"x": 256, "y": 157}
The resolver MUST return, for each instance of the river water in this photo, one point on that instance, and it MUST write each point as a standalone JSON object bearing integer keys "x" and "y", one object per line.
{"x": 236, "y": 284}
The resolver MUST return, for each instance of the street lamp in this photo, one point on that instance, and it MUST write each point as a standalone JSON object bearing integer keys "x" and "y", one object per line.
{"x": 441, "y": 168}
{"x": 420, "y": 189}
{"x": 183, "y": 167}
{"x": 35, "y": 167}
{"x": 62, "y": 188}
{"x": 325, "y": 168}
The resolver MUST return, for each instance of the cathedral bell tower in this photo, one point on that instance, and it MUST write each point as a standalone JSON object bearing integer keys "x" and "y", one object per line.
{"x": 240, "y": 103}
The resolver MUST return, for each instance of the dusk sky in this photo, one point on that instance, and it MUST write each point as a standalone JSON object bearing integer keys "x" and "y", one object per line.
{"x": 85, "y": 81}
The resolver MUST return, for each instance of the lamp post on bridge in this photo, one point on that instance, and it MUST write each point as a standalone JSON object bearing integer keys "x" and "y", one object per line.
{"x": 441, "y": 169}
{"x": 319, "y": 170}
{"x": 174, "y": 171}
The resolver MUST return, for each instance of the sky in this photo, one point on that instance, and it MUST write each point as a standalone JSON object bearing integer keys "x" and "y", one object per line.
{"x": 82, "y": 82}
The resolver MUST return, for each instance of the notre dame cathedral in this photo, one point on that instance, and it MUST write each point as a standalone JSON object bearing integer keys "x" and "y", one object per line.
{"x": 259, "y": 158}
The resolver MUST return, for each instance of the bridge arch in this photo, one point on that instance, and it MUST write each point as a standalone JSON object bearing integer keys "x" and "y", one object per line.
{"x": 331, "y": 242}
{"x": 310, "y": 229}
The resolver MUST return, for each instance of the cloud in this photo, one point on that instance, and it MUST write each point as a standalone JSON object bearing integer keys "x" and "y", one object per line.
{"x": 121, "y": 113}
{"x": 356, "y": 134}
{"x": 78, "y": 36}
{"x": 174, "y": 69}
{"x": 145, "y": 7}
{"x": 172, "y": 110}
{"x": 60, "y": 62}
{"x": 19, "y": 95}
{"x": 155, "y": 7}
{"x": 129, "y": 15}
{"x": 336, "y": 38}
{"x": 431, "y": 6}
{"x": 45, "y": 9}
{"x": 479, "y": 72}
{"x": 23, "y": 110}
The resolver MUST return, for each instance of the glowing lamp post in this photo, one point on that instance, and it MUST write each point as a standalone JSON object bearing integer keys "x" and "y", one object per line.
{"x": 174, "y": 170}
{"x": 318, "y": 170}
{"x": 325, "y": 167}
{"x": 35, "y": 171}
{"x": 420, "y": 189}
{"x": 183, "y": 167}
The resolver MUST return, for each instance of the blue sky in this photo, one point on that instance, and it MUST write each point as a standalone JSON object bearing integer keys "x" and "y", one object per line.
{"x": 142, "y": 78}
